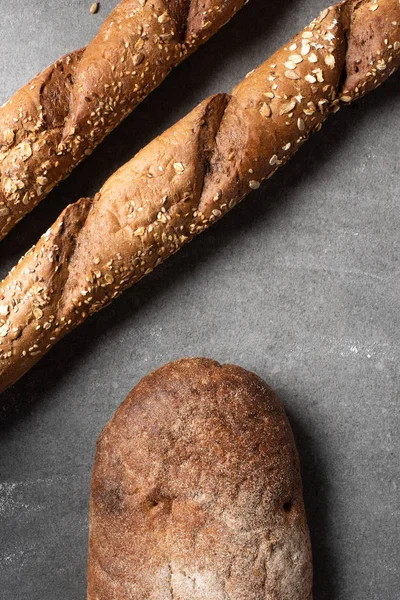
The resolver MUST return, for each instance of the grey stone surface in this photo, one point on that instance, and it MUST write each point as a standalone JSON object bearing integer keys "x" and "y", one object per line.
{"x": 300, "y": 284}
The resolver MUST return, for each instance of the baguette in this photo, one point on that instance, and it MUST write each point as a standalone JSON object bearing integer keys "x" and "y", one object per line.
{"x": 59, "y": 117}
{"x": 190, "y": 176}
{"x": 196, "y": 492}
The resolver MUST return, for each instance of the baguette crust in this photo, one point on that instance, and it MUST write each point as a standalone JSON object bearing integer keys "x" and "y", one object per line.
{"x": 190, "y": 176}
{"x": 196, "y": 492}
{"x": 59, "y": 117}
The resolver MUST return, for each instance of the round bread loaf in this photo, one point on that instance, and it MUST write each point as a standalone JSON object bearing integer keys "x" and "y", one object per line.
{"x": 196, "y": 492}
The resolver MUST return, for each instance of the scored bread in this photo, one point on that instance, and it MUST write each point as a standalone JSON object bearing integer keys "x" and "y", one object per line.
{"x": 59, "y": 117}
{"x": 189, "y": 177}
{"x": 196, "y": 492}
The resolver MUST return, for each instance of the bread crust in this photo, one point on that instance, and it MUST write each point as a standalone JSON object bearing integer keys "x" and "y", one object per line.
{"x": 59, "y": 117}
{"x": 196, "y": 492}
{"x": 189, "y": 177}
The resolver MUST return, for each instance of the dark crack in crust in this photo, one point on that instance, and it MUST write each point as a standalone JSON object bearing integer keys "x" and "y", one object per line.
{"x": 59, "y": 117}
{"x": 189, "y": 177}
{"x": 196, "y": 492}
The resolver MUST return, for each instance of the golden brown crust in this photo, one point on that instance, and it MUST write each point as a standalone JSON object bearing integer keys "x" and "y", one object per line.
{"x": 31, "y": 129}
{"x": 196, "y": 492}
{"x": 190, "y": 176}
{"x": 59, "y": 117}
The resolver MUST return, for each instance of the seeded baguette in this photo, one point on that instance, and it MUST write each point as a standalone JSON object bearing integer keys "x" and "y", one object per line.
{"x": 190, "y": 176}
{"x": 59, "y": 117}
{"x": 196, "y": 492}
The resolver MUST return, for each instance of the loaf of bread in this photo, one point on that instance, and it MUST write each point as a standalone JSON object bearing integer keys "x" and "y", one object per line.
{"x": 190, "y": 176}
{"x": 59, "y": 117}
{"x": 196, "y": 492}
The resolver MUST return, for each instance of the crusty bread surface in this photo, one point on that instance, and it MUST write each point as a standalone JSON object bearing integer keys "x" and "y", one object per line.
{"x": 196, "y": 492}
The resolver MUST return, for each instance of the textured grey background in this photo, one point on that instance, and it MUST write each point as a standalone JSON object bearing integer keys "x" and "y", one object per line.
{"x": 300, "y": 284}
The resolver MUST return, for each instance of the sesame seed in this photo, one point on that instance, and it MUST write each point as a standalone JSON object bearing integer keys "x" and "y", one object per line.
{"x": 139, "y": 44}
{"x": 323, "y": 14}
{"x": 300, "y": 124}
{"x": 296, "y": 58}
{"x": 292, "y": 75}
{"x": 37, "y": 313}
{"x": 4, "y": 329}
{"x": 310, "y": 78}
{"x": 288, "y": 107}
{"x": 330, "y": 61}
{"x": 265, "y": 110}
{"x": 164, "y": 18}
{"x": 254, "y": 185}
{"x": 218, "y": 196}
{"x": 138, "y": 59}
{"x": 15, "y": 332}
{"x": 179, "y": 168}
